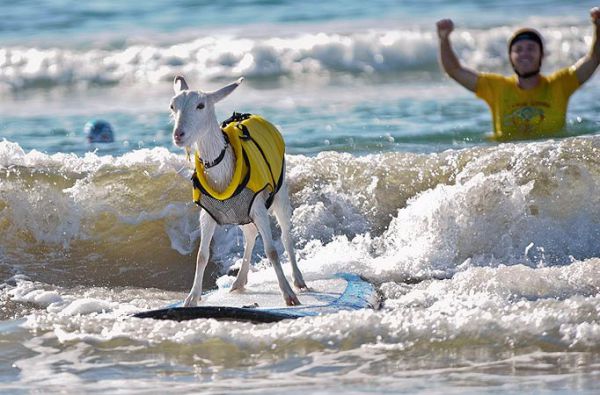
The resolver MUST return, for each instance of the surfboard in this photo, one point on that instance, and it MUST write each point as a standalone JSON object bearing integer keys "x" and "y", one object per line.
{"x": 263, "y": 303}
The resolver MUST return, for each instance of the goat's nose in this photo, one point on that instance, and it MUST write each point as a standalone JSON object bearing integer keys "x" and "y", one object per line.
{"x": 178, "y": 134}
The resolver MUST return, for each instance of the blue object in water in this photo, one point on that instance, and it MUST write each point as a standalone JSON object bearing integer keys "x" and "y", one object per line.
{"x": 99, "y": 131}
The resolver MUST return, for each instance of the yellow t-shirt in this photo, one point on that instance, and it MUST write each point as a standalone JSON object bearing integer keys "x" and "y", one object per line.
{"x": 527, "y": 114}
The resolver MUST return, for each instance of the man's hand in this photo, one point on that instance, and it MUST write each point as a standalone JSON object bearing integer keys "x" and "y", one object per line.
{"x": 445, "y": 26}
{"x": 595, "y": 14}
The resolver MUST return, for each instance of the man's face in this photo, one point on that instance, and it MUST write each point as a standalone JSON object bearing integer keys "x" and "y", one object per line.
{"x": 526, "y": 56}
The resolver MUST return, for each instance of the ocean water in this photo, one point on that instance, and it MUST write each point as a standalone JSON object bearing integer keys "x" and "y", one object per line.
{"x": 487, "y": 255}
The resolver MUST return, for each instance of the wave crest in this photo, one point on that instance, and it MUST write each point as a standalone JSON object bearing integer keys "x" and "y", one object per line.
{"x": 395, "y": 215}
{"x": 312, "y": 55}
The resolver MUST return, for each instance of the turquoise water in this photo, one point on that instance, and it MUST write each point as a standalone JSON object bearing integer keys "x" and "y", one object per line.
{"x": 486, "y": 254}
{"x": 66, "y": 63}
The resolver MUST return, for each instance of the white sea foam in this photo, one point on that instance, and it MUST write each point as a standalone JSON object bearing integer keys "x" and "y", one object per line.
{"x": 517, "y": 305}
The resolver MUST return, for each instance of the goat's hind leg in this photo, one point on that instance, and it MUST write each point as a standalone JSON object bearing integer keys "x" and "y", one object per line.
{"x": 207, "y": 229}
{"x": 260, "y": 217}
{"x": 241, "y": 280}
{"x": 283, "y": 212}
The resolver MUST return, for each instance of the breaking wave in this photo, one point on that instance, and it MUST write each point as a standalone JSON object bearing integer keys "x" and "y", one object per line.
{"x": 318, "y": 55}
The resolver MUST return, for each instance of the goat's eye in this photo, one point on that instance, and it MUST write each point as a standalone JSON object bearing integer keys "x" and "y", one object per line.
{"x": 172, "y": 107}
{"x": 200, "y": 106}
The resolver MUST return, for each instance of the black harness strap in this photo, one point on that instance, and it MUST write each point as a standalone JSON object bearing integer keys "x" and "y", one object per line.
{"x": 208, "y": 165}
{"x": 235, "y": 117}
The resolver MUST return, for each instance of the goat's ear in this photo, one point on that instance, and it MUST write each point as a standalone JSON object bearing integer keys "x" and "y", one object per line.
{"x": 225, "y": 91}
{"x": 179, "y": 84}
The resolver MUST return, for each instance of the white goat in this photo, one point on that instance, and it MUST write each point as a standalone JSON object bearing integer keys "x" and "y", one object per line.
{"x": 196, "y": 127}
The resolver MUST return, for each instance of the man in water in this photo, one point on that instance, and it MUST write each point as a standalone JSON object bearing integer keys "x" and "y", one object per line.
{"x": 98, "y": 131}
{"x": 527, "y": 105}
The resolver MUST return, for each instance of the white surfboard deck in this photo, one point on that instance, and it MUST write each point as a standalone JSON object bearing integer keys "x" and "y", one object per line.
{"x": 268, "y": 295}
{"x": 264, "y": 302}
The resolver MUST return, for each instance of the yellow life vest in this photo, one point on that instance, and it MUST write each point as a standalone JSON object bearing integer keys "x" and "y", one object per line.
{"x": 259, "y": 151}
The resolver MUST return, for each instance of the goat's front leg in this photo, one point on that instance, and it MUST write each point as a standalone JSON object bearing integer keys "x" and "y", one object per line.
{"x": 261, "y": 220}
{"x": 207, "y": 229}
{"x": 241, "y": 280}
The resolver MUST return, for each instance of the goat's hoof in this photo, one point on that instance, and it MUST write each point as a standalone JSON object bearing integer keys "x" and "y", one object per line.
{"x": 239, "y": 284}
{"x": 237, "y": 288}
{"x": 292, "y": 300}
{"x": 301, "y": 285}
{"x": 191, "y": 301}
{"x": 299, "y": 282}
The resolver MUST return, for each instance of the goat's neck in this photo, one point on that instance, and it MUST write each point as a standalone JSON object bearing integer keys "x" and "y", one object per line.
{"x": 209, "y": 148}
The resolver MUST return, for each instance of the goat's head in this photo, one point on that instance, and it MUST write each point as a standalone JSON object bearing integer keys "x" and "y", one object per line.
{"x": 194, "y": 111}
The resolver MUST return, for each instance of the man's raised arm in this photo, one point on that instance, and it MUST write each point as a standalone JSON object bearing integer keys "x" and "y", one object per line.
{"x": 464, "y": 76}
{"x": 585, "y": 67}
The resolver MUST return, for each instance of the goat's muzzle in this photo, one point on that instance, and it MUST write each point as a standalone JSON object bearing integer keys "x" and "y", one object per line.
{"x": 178, "y": 135}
